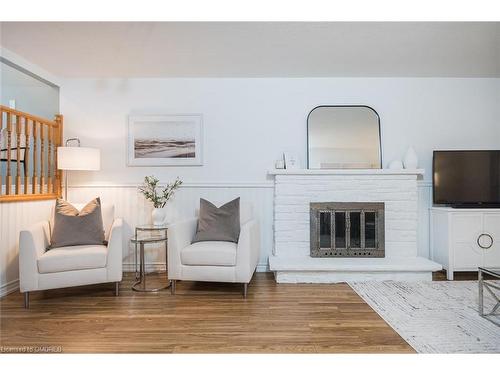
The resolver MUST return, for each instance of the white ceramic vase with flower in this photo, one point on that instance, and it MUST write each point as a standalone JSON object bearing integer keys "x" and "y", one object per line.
{"x": 159, "y": 197}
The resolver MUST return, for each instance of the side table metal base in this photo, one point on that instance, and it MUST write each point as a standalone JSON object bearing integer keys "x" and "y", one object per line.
{"x": 494, "y": 291}
{"x": 140, "y": 285}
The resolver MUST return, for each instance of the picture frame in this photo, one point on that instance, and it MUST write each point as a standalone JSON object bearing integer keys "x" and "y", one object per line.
{"x": 165, "y": 140}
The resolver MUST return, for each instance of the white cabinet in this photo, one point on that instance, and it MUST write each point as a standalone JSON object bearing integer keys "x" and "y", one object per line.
{"x": 465, "y": 239}
{"x": 491, "y": 226}
{"x": 464, "y": 230}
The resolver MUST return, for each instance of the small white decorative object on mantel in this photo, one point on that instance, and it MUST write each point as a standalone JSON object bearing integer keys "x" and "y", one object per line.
{"x": 410, "y": 160}
{"x": 291, "y": 161}
{"x": 279, "y": 164}
{"x": 396, "y": 164}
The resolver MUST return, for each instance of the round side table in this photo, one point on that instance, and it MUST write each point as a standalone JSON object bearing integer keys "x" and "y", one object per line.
{"x": 148, "y": 234}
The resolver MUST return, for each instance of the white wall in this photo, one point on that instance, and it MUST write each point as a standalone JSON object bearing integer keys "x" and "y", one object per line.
{"x": 31, "y": 95}
{"x": 248, "y": 123}
{"x": 15, "y": 216}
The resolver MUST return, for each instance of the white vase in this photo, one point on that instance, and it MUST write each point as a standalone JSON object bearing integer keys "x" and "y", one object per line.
{"x": 410, "y": 160}
{"x": 158, "y": 215}
{"x": 396, "y": 164}
{"x": 169, "y": 214}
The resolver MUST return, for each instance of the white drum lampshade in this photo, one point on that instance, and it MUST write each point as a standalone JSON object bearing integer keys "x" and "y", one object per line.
{"x": 78, "y": 159}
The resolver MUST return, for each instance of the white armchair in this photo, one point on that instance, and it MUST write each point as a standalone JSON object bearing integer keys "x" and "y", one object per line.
{"x": 73, "y": 265}
{"x": 213, "y": 260}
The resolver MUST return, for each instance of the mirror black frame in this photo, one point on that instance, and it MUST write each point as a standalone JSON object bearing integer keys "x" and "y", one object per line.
{"x": 346, "y": 106}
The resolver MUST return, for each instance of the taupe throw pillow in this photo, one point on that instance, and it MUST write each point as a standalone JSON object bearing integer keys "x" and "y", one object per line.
{"x": 218, "y": 224}
{"x": 73, "y": 227}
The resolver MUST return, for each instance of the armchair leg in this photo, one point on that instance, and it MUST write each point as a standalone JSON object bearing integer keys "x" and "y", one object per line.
{"x": 117, "y": 289}
{"x": 172, "y": 286}
{"x": 26, "y": 300}
{"x": 245, "y": 290}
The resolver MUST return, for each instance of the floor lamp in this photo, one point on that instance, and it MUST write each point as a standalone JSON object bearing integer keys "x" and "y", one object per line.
{"x": 76, "y": 158}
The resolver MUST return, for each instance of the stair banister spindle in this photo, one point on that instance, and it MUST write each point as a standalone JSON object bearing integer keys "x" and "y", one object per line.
{"x": 42, "y": 158}
{"x": 8, "y": 182}
{"x": 1, "y": 143}
{"x": 59, "y": 140}
{"x": 49, "y": 158}
{"x": 35, "y": 158}
{"x": 18, "y": 154}
{"x": 26, "y": 154}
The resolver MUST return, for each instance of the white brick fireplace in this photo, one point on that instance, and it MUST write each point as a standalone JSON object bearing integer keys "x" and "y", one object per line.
{"x": 296, "y": 189}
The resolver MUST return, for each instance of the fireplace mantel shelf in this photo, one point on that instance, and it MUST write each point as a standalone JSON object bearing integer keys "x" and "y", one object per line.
{"x": 361, "y": 172}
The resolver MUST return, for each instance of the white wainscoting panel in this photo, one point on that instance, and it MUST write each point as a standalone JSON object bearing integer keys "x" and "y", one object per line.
{"x": 15, "y": 216}
{"x": 134, "y": 209}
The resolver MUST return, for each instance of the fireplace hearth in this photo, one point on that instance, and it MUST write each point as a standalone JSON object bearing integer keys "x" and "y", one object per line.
{"x": 347, "y": 230}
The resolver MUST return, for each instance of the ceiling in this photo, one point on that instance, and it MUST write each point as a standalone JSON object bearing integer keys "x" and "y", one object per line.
{"x": 257, "y": 49}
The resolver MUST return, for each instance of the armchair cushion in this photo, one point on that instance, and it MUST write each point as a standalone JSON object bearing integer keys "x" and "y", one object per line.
{"x": 72, "y": 258}
{"x": 108, "y": 217}
{"x": 218, "y": 223}
{"x": 209, "y": 253}
{"x": 73, "y": 227}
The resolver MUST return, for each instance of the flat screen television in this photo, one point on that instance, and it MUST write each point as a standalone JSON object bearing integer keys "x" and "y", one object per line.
{"x": 466, "y": 178}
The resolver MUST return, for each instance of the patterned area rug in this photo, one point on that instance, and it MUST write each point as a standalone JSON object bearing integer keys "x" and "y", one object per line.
{"x": 435, "y": 316}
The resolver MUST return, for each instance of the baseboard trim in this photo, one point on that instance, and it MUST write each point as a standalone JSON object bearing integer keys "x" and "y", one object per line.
{"x": 160, "y": 266}
{"x": 262, "y": 267}
{"x": 13, "y": 286}
{"x": 8, "y": 288}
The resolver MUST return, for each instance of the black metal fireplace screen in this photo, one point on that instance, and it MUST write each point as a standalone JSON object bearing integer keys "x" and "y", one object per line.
{"x": 340, "y": 229}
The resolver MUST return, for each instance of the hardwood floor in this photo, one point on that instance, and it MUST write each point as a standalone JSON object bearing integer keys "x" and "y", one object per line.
{"x": 458, "y": 276}
{"x": 200, "y": 318}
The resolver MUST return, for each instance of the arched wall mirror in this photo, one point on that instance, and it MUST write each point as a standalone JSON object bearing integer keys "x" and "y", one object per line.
{"x": 343, "y": 137}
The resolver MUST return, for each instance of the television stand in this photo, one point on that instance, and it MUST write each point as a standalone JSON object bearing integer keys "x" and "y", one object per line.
{"x": 476, "y": 205}
{"x": 465, "y": 239}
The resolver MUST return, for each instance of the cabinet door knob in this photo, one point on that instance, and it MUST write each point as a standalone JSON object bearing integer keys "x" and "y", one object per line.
{"x": 490, "y": 240}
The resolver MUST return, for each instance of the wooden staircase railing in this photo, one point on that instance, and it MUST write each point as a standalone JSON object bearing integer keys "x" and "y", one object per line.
{"x": 28, "y": 156}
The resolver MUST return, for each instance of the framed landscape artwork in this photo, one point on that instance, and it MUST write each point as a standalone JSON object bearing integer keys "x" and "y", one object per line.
{"x": 165, "y": 140}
